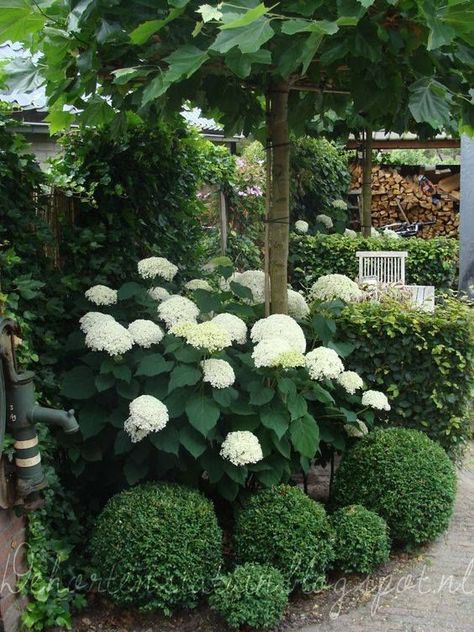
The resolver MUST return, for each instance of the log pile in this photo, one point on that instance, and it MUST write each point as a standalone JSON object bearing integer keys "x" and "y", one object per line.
{"x": 389, "y": 186}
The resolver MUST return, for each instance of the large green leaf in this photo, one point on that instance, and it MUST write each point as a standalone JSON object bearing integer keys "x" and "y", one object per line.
{"x": 145, "y": 30}
{"x": 276, "y": 419}
{"x": 430, "y": 102}
{"x": 154, "y": 364}
{"x": 166, "y": 439}
{"x": 79, "y": 383}
{"x": 193, "y": 441}
{"x": 304, "y": 434}
{"x": 241, "y": 64}
{"x": 203, "y": 413}
{"x": 248, "y": 38}
{"x": 19, "y": 20}
{"x": 250, "y": 16}
{"x": 297, "y": 25}
{"x": 184, "y": 61}
{"x": 183, "y": 375}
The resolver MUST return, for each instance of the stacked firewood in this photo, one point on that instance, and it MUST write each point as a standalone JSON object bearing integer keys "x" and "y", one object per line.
{"x": 418, "y": 202}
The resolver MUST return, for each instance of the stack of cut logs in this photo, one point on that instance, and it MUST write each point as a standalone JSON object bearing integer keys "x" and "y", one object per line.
{"x": 389, "y": 189}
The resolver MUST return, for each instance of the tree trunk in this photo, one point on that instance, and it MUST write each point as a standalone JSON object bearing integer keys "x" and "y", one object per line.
{"x": 279, "y": 208}
{"x": 366, "y": 223}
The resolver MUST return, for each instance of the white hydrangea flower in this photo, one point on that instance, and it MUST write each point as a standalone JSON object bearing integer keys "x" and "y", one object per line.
{"x": 331, "y": 286}
{"x": 182, "y": 328}
{"x": 323, "y": 363}
{"x": 209, "y": 336}
{"x": 273, "y": 352}
{"x": 301, "y": 226}
{"x": 198, "y": 284}
{"x": 288, "y": 359}
{"x": 101, "y": 295}
{"x": 297, "y": 306}
{"x": 241, "y": 448}
{"x": 375, "y": 399}
{"x": 350, "y": 381}
{"x": 145, "y": 332}
{"x": 109, "y": 336}
{"x": 147, "y": 414}
{"x": 159, "y": 293}
{"x": 348, "y": 232}
{"x": 234, "y": 326}
{"x": 93, "y": 318}
{"x": 357, "y": 431}
{"x": 218, "y": 373}
{"x": 374, "y": 232}
{"x": 254, "y": 280}
{"x": 388, "y": 232}
{"x": 280, "y": 326}
{"x": 325, "y": 220}
{"x": 339, "y": 204}
{"x": 157, "y": 267}
{"x": 178, "y": 309}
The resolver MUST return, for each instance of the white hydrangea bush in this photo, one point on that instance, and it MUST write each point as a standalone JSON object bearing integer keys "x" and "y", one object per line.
{"x": 179, "y": 378}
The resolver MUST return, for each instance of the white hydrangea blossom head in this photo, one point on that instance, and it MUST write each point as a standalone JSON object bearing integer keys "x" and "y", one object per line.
{"x": 254, "y": 280}
{"x": 339, "y": 204}
{"x": 325, "y": 220}
{"x": 101, "y": 295}
{"x": 357, "y": 430}
{"x": 288, "y": 359}
{"x": 332, "y": 286}
{"x": 350, "y": 381}
{"x": 388, "y": 232}
{"x": 375, "y": 399}
{"x": 145, "y": 332}
{"x": 158, "y": 293}
{"x": 109, "y": 336}
{"x": 152, "y": 267}
{"x": 301, "y": 226}
{"x": 241, "y": 448}
{"x": 234, "y": 326}
{"x": 209, "y": 336}
{"x": 182, "y": 328}
{"x": 348, "y": 232}
{"x": 146, "y": 414}
{"x": 276, "y": 352}
{"x": 297, "y": 306}
{"x": 198, "y": 284}
{"x": 93, "y": 318}
{"x": 280, "y": 327}
{"x": 374, "y": 232}
{"x": 323, "y": 363}
{"x": 218, "y": 373}
{"x": 178, "y": 309}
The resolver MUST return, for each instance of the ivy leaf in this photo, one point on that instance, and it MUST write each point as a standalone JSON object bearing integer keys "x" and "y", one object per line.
{"x": 248, "y": 38}
{"x": 183, "y": 375}
{"x": 154, "y": 364}
{"x": 203, "y": 413}
{"x": 430, "y": 102}
{"x": 193, "y": 441}
{"x": 304, "y": 435}
{"x": 79, "y": 383}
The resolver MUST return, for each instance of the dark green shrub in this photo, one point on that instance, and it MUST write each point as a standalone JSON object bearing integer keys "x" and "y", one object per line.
{"x": 423, "y": 361}
{"x": 253, "y": 595}
{"x": 319, "y": 175}
{"x": 429, "y": 261}
{"x": 361, "y": 539}
{"x": 283, "y": 527}
{"x": 159, "y": 544}
{"x": 404, "y": 477}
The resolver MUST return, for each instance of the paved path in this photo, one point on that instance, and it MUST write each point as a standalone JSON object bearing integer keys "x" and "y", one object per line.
{"x": 435, "y": 594}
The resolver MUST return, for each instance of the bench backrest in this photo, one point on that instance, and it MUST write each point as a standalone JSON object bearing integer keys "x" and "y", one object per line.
{"x": 386, "y": 266}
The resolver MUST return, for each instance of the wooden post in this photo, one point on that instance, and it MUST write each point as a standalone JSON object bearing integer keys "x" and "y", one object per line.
{"x": 223, "y": 221}
{"x": 366, "y": 219}
{"x": 466, "y": 228}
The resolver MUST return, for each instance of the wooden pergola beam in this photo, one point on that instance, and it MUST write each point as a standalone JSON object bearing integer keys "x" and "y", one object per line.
{"x": 408, "y": 143}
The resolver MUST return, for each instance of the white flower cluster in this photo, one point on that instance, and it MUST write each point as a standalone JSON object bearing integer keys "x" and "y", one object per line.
{"x": 198, "y": 284}
{"x": 101, "y": 295}
{"x": 208, "y": 335}
{"x": 159, "y": 293}
{"x": 374, "y": 232}
{"x": 297, "y": 306}
{"x": 323, "y": 363}
{"x": 331, "y": 286}
{"x": 177, "y": 309}
{"x": 218, "y": 373}
{"x": 301, "y": 226}
{"x": 350, "y": 381}
{"x": 279, "y": 327}
{"x": 254, "y": 280}
{"x": 91, "y": 319}
{"x": 388, "y": 232}
{"x": 375, "y": 399}
{"x": 357, "y": 431}
{"x": 106, "y": 334}
{"x": 339, "y": 204}
{"x": 145, "y": 332}
{"x": 147, "y": 414}
{"x": 348, "y": 232}
{"x": 325, "y": 220}
{"x": 241, "y": 448}
{"x": 277, "y": 352}
{"x": 235, "y": 327}
{"x": 157, "y": 267}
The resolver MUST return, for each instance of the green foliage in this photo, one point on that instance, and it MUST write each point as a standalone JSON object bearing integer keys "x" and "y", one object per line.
{"x": 404, "y": 477}
{"x": 361, "y": 539}
{"x": 319, "y": 175}
{"x": 253, "y": 594}
{"x": 429, "y": 261}
{"x": 418, "y": 157}
{"x": 423, "y": 361}
{"x": 285, "y": 528}
{"x": 157, "y": 547}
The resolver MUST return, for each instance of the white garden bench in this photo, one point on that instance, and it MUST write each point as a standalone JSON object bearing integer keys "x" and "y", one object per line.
{"x": 388, "y": 268}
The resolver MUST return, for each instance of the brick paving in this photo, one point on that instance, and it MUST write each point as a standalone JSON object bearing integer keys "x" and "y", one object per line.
{"x": 433, "y": 594}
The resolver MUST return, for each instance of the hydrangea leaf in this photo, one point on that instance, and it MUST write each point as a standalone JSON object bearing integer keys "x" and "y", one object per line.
{"x": 304, "y": 434}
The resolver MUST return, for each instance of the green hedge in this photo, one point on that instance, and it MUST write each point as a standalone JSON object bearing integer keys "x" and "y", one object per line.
{"x": 429, "y": 261}
{"x": 423, "y": 361}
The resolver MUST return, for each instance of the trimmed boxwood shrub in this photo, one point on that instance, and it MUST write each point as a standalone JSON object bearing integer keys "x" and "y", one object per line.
{"x": 429, "y": 261}
{"x": 404, "y": 477}
{"x": 423, "y": 361}
{"x": 362, "y": 541}
{"x": 158, "y": 546}
{"x": 283, "y": 527}
{"x": 253, "y": 595}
